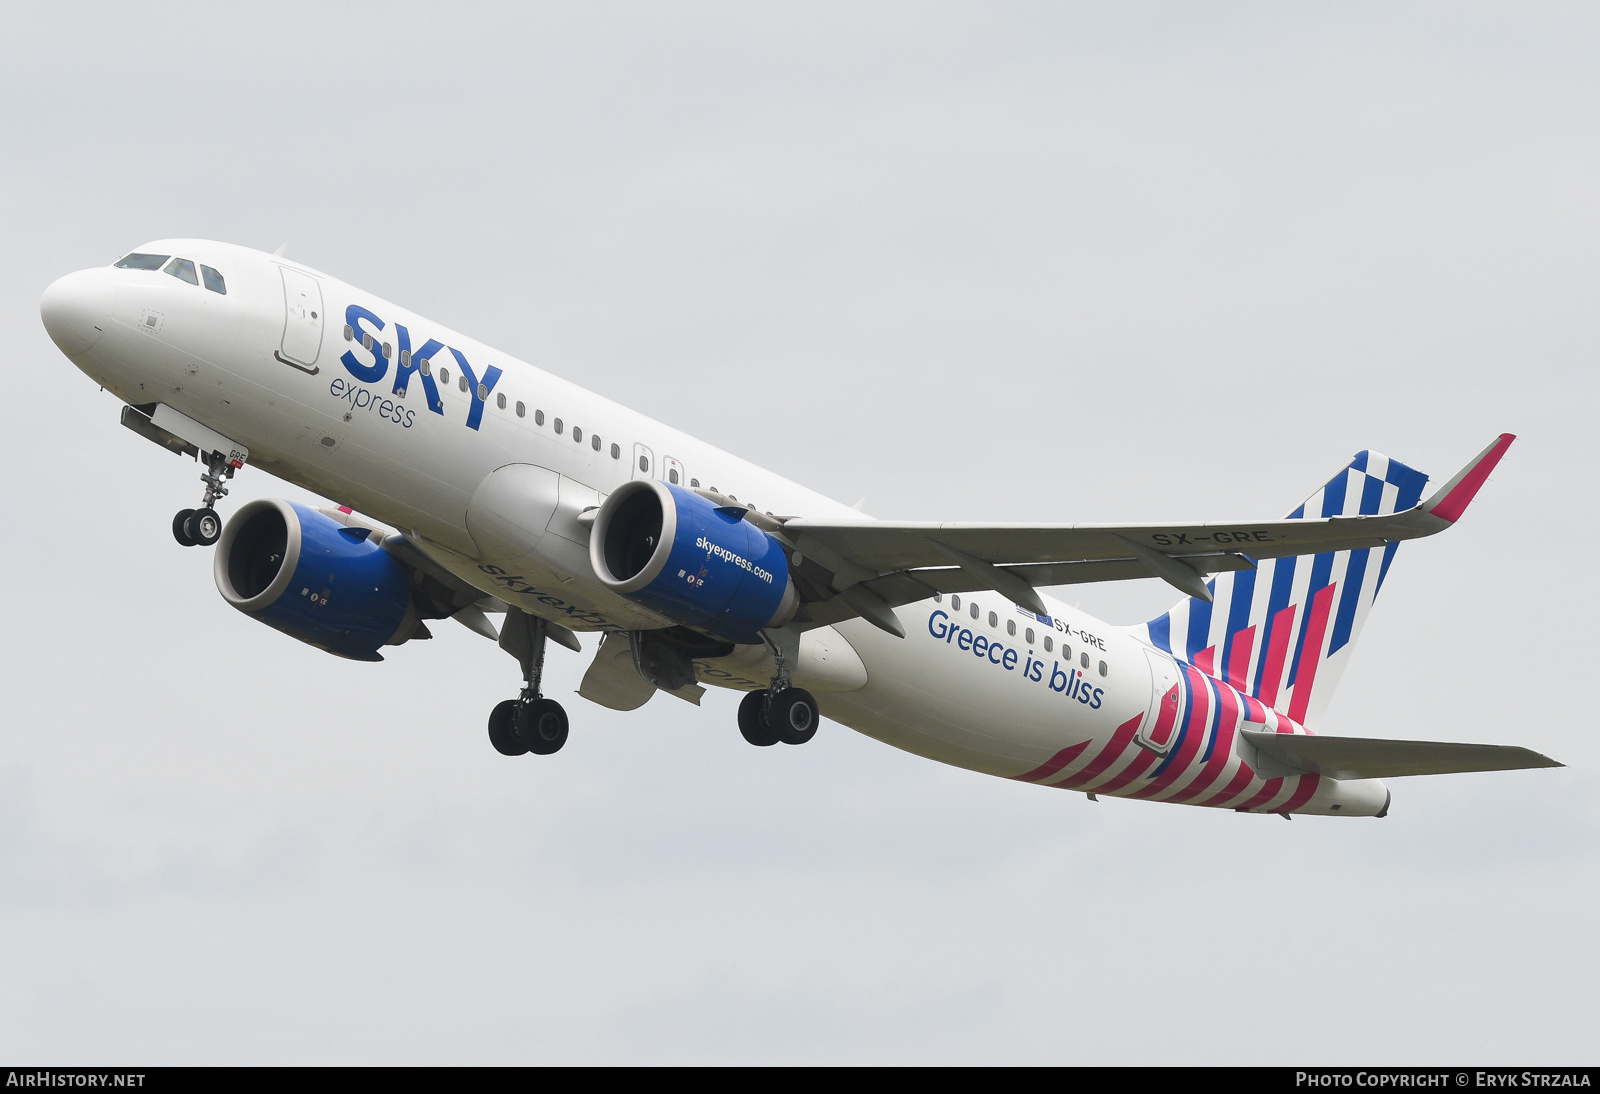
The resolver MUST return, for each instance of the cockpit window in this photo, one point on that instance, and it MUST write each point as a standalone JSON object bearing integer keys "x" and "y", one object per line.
{"x": 183, "y": 270}
{"x": 214, "y": 280}
{"x": 142, "y": 262}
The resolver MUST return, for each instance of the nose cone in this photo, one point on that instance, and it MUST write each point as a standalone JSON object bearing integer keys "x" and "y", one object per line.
{"x": 76, "y": 308}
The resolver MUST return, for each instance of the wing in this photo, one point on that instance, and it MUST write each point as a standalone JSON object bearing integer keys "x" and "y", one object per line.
{"x": 866, "y": 568}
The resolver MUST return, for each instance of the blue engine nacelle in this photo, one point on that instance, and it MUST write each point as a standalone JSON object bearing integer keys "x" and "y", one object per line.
{"x": 692, "y": 560}
{"x": 314, "y": 579}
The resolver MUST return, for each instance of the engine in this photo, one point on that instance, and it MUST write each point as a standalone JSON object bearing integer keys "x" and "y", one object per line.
{"x": 315, "y": 579}
{"x": 692, "y": 560}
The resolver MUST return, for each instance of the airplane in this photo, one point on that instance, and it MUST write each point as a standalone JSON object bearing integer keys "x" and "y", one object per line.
{"x": 469, "y": 484}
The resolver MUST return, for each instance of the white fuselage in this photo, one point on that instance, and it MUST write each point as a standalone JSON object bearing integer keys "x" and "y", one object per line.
{"x": 975, "y": 686}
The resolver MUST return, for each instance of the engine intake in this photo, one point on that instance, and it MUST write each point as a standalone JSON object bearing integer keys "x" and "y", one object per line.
{"x": 314, "y": 579}
{"x": 692, "y": 560}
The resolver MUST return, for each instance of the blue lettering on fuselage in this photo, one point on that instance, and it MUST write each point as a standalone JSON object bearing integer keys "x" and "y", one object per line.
{"x": 368, "y": 327}
{"x": 1068, "y": 682}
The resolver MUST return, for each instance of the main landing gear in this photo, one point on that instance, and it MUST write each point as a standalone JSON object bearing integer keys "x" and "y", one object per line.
{"x": 529, "y": 723}
{"x": 781, "y": 712}
{"x": 202, "y": 527}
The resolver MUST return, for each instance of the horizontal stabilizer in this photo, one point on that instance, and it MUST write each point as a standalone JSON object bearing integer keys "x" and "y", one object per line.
{"x": 1367, "y": 758}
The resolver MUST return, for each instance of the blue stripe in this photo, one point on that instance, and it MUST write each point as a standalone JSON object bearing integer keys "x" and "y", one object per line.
{"x": 1199, "y": 627}
{"x": 1183, "y": 726}
{"x": 1333, "y": 494}
{"x": 1350, "y": 599}
{"x": 1371, "y": 497}
{"x": 1360, "y": 462}
{"x": 1383, "y": 571}
{"x": 1244, "y": 593}
{"x": 1321, "y": 568}
{"x": 1282, "y": 586}
{"x": 1216, "y": 720}
{"x": 1161, "y": 632}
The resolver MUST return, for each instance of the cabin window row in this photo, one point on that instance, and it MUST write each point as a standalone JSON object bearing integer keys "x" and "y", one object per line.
{"x": 977, "y": 612}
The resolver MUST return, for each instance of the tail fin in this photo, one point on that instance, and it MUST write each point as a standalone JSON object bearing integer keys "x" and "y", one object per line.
{"x": 1283, "y": 632}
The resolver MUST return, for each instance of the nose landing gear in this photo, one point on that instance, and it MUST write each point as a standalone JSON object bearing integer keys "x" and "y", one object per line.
{"x": 202, "y": 527}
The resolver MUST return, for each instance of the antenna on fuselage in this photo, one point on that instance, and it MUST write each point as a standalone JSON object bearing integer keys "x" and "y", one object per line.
{"x": 282, "y": 248}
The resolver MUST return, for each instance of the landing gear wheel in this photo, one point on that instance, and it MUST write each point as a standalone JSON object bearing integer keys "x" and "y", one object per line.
{"x": 204, "y": 526}
{"x": 180, "y": 528}
{"x": 793, "y": 716}
{"x": 753, "y": 722}
{"x": 503, "y": 729}
{"x": 542, "y": 726}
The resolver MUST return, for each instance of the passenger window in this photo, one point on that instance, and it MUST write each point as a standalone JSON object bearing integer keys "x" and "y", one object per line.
{"x": 577, "y": 434}
{"x": 594, "y": 442}
{"x": 522, "y": 410}
{"x": 672, "y": 475}
{"x": 538, "y": 417}
{"x": 388, "y": 351}
{"x": 1011, "y": 627}
{"x": 974, "y": 611}
{"x": 694, "y": 484}
{"x": 1084, "y": 659}
{"x": 1048, "y": 642}
{"x": 558, "y": 427}
{"x": 142, "y": 262}
{"x": 214, "y": 281}
{"x": 500, "y": 400}
{"x": 483, "y": 393}
{"x": 955, "y": 602}
{"x": 938, "y": 598}
{"x": 1030, "y": 636}
{"x": 461, "y": 381}
{"x": 183, "y": 270}
{"x": 1066, "y": 653}
{"x": 405, "y": 357}
{"x": 644, "y": 463}
{"x": 444, "y": 377}
{"x": 349, "y": 333}
{"x": 616, "y": 452}
{"x": 994, "y": 620}
{"x": 1103, "y": 668}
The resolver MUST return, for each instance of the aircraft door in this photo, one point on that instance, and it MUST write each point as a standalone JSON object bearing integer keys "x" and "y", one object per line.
{"x": 672, "y": 471}
{"x": 1159, "y": 730}
{"x": 644, "y": 462}
{"x": 302, "y": 319}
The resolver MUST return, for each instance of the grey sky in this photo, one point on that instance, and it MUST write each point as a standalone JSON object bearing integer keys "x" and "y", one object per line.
{"x": 1053, "y": 263}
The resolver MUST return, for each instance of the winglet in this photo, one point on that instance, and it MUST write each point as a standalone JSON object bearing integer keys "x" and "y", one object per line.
{"x": 1452, "y": 499}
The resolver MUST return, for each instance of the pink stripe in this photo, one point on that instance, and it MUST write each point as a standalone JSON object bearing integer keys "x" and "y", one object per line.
{"x": 1302, "y": 794}
{"x": 1134, "y": 769}
{"x": 1311, "y": 652}
{"x": 1267, "y": 793}
{"x": 1054, "y": 763}
{"x": 1221, "y": 750}
{"x": 1241, "y": 779}
{"x": 1166, "y": 716}
{"x": 1456, "y": 502}
{"x": 1254, "y": 710}
{"x": 1114, "y": 748}
{"x": 1239, "y": 657}
{"x": 1199, "y": 714}
{"x": 1205, "y": 660}
{"x": 1277, "y": 649}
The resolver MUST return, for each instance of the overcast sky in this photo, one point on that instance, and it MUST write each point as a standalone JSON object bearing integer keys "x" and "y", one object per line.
{"x": 973, "y": 262}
